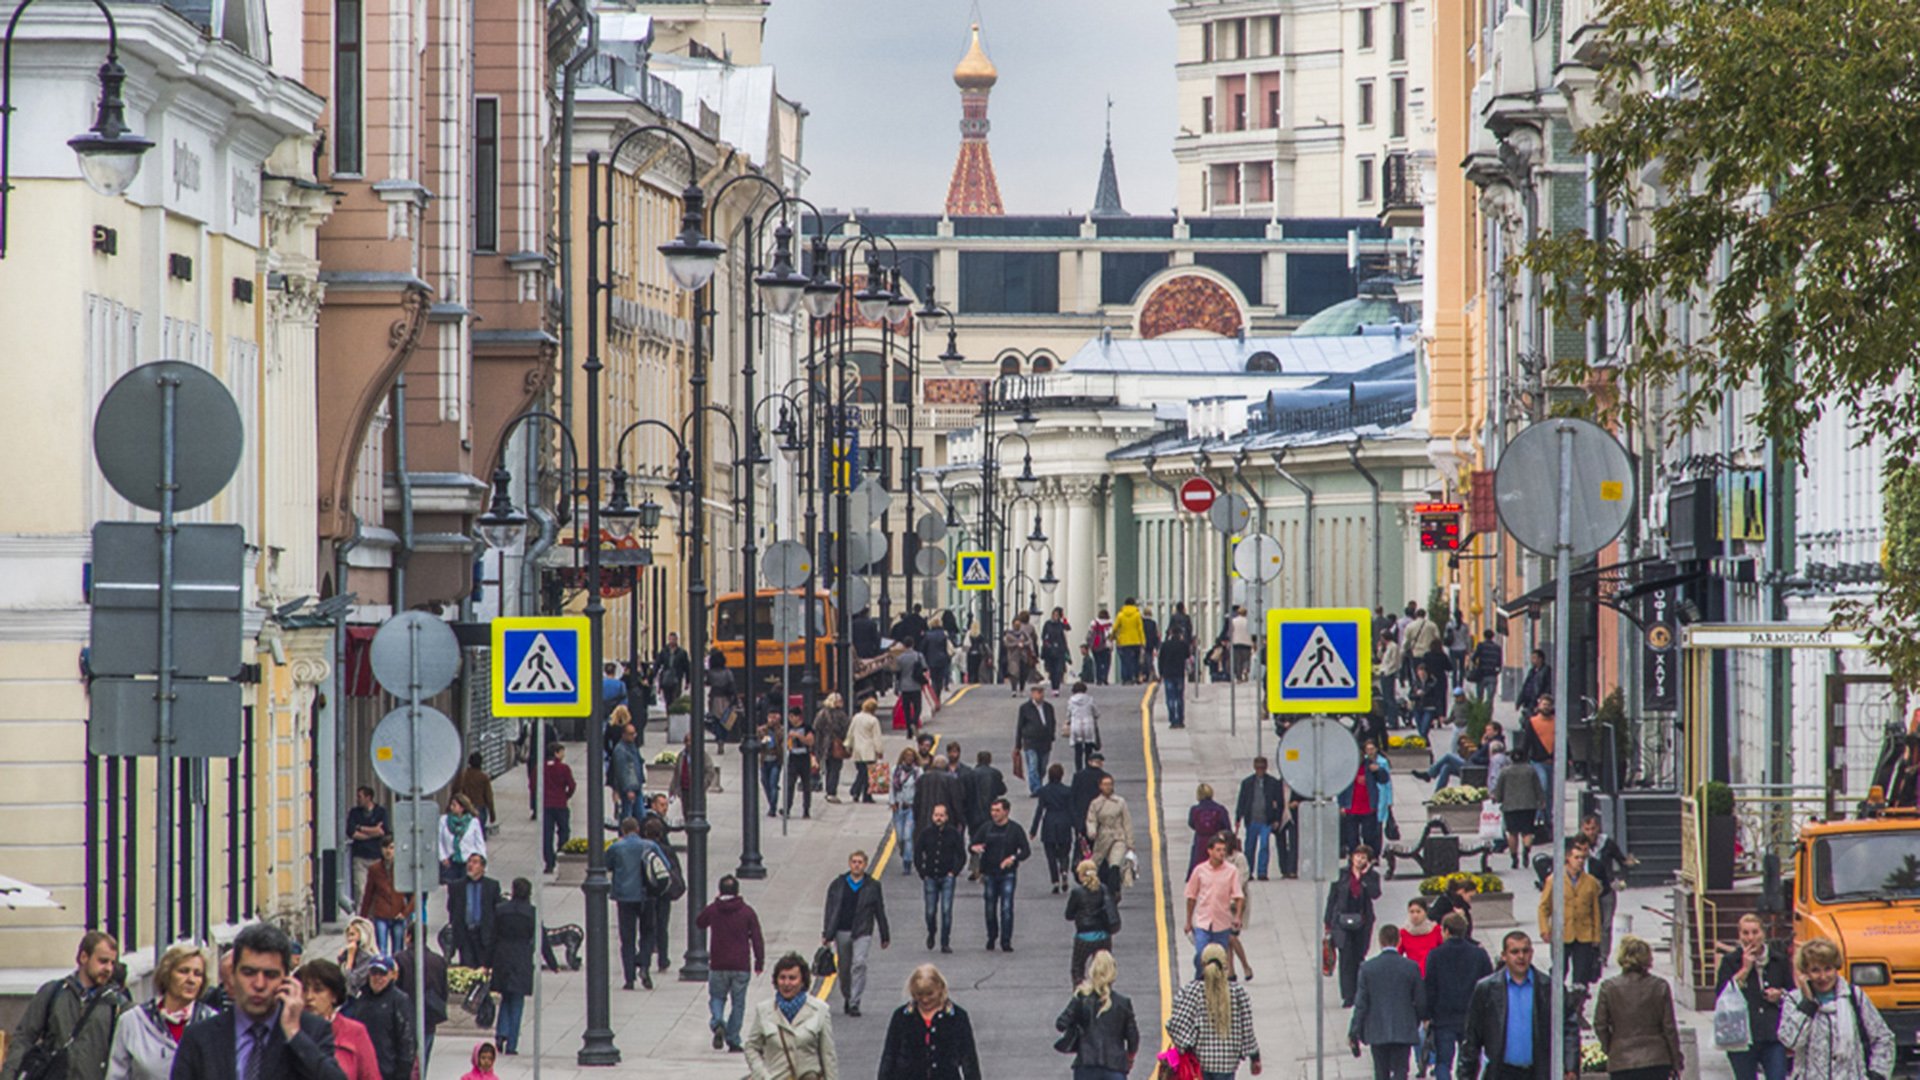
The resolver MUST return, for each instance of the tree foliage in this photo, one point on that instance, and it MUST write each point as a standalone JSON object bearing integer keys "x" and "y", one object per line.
{"x": 1768, "y": 153}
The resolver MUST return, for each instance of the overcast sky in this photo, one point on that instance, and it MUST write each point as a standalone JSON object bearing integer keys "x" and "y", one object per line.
{"x": 876, "y": 77}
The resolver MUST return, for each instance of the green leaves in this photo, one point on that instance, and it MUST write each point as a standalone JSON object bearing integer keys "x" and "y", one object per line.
{"x": 1767, "y": 154}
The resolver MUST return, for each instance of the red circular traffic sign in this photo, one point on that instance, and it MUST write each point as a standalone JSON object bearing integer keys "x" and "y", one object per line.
{"x": 1197, "y": 495}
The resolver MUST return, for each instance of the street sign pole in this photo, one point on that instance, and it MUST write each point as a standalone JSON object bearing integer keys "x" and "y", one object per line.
{"x": 1562, "y": 681}
{"x": 163, "y": 780}
{"x": 415, "y": 795}
{"x": 1318, "y": 760}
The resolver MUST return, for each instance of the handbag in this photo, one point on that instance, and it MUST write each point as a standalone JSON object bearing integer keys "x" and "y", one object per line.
{"x": 1178, "y": 1064}
{"x": 1327, "y": 955}
{"x": 1392, "y": 827}
{"x": 823, "y": 962}
{"x": 1350, "y": 921}
{"x": 1069, "y": 1043}
{"x": 1019, "y": 765}
{"x": 837, "y": 749}
{"x": 793, "y": 1071}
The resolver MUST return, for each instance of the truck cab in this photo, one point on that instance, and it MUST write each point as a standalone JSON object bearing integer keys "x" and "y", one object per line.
{"x": 772, "y": 656}
{"x": 1857, "y": 883}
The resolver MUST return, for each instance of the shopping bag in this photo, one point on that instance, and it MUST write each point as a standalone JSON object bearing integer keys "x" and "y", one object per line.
{"x": 1178, "y": 1064}
{"x": 1492, "y": 826}
{"x": 878, "y": 782}
{"x": 1327, "y": 956}
{"x": 900, "y": 713}
{"x": 1732, "y": 1030}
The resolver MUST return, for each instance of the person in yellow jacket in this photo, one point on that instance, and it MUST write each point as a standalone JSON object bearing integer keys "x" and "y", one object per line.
{"x": 1582, "y": 918}
{"x": 1130, "y": 633}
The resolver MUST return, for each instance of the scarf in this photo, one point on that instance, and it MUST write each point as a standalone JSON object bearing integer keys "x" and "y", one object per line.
{"x": 1353, "y": 885}
{"x": 790, "y": 1007}
{"x": 457, "y": 824}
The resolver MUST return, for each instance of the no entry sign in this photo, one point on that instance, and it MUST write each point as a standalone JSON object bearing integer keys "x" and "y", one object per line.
{"x": 1197, "y": 495}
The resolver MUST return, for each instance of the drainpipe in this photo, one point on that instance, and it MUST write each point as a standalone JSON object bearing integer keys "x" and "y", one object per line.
{"x": 1379, "y": 541}
{"x": 1306, "y": 493}
{"x": 405, "y": 483}
{"x": 335, "y": 777}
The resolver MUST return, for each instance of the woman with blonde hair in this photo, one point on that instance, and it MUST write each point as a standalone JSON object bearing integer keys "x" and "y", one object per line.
{"x": 356, "y": 957}
{"x": 1833, "y": 1030}
{"x": 929, "y": 1038}
{"x": 1095, "y": 915}
{"x": 1633, "y": 1018}
{"x": 1098, "y": 1025}
{"x": 147, "y": 1038}
{"x": 1213, "y": 1020}
{"x": 1207, "y": 819}
{"x": 865, "y": 745}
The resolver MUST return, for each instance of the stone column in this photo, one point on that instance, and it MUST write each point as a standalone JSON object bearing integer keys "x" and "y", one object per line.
{"x": 1079, "y": 554}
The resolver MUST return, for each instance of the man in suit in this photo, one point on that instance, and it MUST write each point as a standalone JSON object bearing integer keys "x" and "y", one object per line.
{"x": 268, "y": 1034}
{"x": 1388, "y": 1008}
{"x": 1033, "y": 736}
{"x": 470, "y": 907}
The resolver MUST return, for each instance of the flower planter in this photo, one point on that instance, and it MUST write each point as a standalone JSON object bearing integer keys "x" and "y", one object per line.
{"x": 1403, "y": 760}
{"x": 659, "y": 777}
{"x": 570, "y": 868}
{"x": 1491, "y": 909}
{"x": 1462, "y": 820}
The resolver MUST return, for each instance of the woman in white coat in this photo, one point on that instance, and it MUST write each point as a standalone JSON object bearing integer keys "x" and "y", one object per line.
{"x": 1110, "y": 824}
{"x": 461, "y": 837}
{"x": 791, "y": 1033}
{"x": 865, "y": 745}
{"x": 146, "y": 1038}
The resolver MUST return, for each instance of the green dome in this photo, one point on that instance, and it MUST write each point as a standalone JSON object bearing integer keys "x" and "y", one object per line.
{"x": 1348, "y": 316}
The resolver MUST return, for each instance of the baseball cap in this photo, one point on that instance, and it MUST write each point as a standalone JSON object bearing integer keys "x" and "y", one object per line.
{"x": 1459, "y": 691}
{"x": 383, "y": 963}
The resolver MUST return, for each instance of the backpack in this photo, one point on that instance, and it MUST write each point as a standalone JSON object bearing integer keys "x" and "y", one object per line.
{"x": 1097, "y": 636}
{"x": 658, "y": 876}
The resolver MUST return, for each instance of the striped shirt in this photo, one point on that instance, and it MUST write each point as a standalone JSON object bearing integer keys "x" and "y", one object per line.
{"x": 1190, "y": 1027}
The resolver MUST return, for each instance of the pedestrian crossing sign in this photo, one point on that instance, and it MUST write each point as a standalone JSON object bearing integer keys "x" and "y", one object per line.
{"x": 1319, "y": 660}
{"x": 974, "y": 570}
{"x": 542, "y": 667}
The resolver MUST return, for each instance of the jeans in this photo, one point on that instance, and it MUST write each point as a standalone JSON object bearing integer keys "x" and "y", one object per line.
{"x": 852, "y": 958}
{"x": 389, "y": 935}
{"x": 1176, "y": 692}
{"x": 903, "y": 831}
{"x": 1102, "y": 664}
{"x": 1445, "y": 1042}
{"x": 1446, "y": 769}
{"x": 555, "y": 831}
{"x": 627, "y": 806}
{"x": 1359, "y": 829}
{"x": 1036, "y": 758}
{"x": 998, "y": 892}
{"x": 1259, "y": 841}
{"x": 830, "y": 765}
{"x": 938, "y": 893}
{"x": 770, "y": 783}
{"x": 1129, "y": 663}
{"x": 727, "y": 1001}
{"x": 1390, "y": 1061}
{"x": 1203, "y": 938}
{"x": 662, "y": 931}
{"x": 636, "y": 936}
{"x": 506, "y": 1023}
{"x": 1768, "y": 1059}
{"x": 1423, "y": 720}
{"x": 857, "y": 791}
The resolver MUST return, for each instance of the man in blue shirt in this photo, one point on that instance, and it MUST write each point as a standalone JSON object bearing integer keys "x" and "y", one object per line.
{"x": 1507, "y": 1021}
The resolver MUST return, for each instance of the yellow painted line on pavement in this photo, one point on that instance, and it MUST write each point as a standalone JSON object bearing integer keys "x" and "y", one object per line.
{"x": 879, "y": 866}
{"x": 960, "y": 693}
{"x": 1152, "y": 808}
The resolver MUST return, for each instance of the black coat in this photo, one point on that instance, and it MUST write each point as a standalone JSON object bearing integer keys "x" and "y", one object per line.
{"x": 939, "y": 788}
{"x": 516, "y": 927}
{"x": 1053, "y": 640}
{"x": 1454, "y": 967}
{"x": 207, "y": 1051}
{"x": 1174, "y": 654}
{"x": 1109, "y": 1038}
{"x": 1262, "y": 799}
{"x": 1053, "y": 814}
{"x": 1036, "y": 726}
{"x": 475, "y": 944}
{"x": 984, "y": 784}
{"x": 1002, "y": 842}
{"x": 1086, "y": 787}
{"x": 916, "y": 1050}
{"x": 939, "y": 851}
{"x": 388, "y": 1018}
{"x": 869, "y": 908}
{"x": 436, "y": 983}
{"x": 1093, "y": 912}
{"x": 1340, "y": 900}
{"x": 1486, "y": 1030}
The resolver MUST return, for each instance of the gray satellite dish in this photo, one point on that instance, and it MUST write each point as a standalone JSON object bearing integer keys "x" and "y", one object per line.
{"x": 392, "y": 750}
{"x": 438, "y": 661}
{"x": 1527, "y": 487}
{"x": 931, "y": 528}
{"x": 786, "y": 564}
{"x": 1318, "y": 757}
{"x": 128, "y": 430}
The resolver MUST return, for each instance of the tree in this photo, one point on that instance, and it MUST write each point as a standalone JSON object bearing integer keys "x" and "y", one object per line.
{"x": 1766, "y": 151}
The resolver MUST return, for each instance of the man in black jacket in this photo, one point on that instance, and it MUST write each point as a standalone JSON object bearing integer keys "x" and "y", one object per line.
{"x": 1002, "y": 846}
{"x": 855, "y": 908}
{"x": 1033, "y": 735}
{"x": 436, "y": 1009}
{"x": 939, "y": 787}
{"x": 939, "y": 854}
{"x": 386, "y": 1012}
{"x": 671, "y": 667}
{"x": 1454, "y": 967}
{"x": 1086, "y": 786}
{"x": 268, "y": 1034}
{"x": 1262, "y": 811}
{"x": 984, "y": 784}
{"x": 1493, "y": 1031}
{"x": 1174, "y": 653}
{"x": 470, "y": 906}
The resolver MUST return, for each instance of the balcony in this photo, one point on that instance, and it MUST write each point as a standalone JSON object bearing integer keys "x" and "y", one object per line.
{"x": 1400, "y": 205}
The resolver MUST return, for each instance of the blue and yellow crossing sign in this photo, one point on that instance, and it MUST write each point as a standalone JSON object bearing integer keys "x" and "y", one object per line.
{"x": 541, "y": 667}
{"x": 1319, "y": 660}
{"x": 974, "y": 570}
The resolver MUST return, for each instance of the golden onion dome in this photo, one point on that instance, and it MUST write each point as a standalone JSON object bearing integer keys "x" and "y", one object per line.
{"x": 975, "y": 71}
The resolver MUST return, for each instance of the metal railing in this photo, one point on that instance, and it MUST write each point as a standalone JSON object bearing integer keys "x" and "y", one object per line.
{"x": 1385, "y": 414}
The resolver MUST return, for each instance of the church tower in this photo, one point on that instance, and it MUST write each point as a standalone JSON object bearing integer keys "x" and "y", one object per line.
{"x": 974, "y": 192}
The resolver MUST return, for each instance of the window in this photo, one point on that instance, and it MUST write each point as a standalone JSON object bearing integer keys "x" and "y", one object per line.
{"x": 1399, "y": 20}
{"x": 1366, "y": 104}
{"x": 1366, "y": 179}
{"x": 486, "y": 174}
{"x": 348, "y": 89}
{"x": 1206, "y": 42}
{"x": 1366, "y": 27}
{"x": 1273, "y": 35}
{"x": 1123, "y": 272}
{"x": 1245, "y": 269}
{"x": 1206, "y": 115}
{"x": 1240, "y": 112}
{"x": 1273, "y": 108}
{"x": 1240, "y": 39}
{"x": 1010, "y": 282}
{"x": 1399, "y": 128}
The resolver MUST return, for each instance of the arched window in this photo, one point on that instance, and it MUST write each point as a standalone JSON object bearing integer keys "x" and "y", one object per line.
{"x": 1263, "y": 361}
{"x": 1042, "y": 364}
{"x": 1009, "y": 365}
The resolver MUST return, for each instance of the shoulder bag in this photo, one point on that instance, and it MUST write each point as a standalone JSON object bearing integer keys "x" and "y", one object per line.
{"x": 793, "y": 1071}
{"x": 44, "y": 1061}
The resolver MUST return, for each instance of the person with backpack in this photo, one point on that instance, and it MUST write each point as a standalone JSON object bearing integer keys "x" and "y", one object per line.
{"x": 1100, "y": 640}
{"x": 937, "y": 646}
{"x": 910, "y": 681}
{"x": 1832, "y": 1029}
{"x": 640, "y": 877}
{"x": 654, "y": 828}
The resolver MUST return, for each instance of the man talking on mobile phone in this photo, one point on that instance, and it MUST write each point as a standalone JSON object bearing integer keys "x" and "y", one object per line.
{"x": 268, "y": 1034}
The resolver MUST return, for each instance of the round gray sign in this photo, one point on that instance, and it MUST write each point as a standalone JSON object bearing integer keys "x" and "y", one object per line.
{"x": 1528, "y": 487}
{"x": 1318, "y": 757}
{"x": 789, "y": 618}
{"x": 392, "y": 750}
{"x": 786, "y": 564}
{"x": 931, "y": 528}
{"x": 858, "y": 593}
{"x": 877, "y": 548}
{"x": 856, "y": 549}
{"x": 1258, "y": 558}
{"x": 128, "y": 429}
{"x": 1230, "y": 514}
{"x": 930, "y": 562}
{"x": 393, "y": 654}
